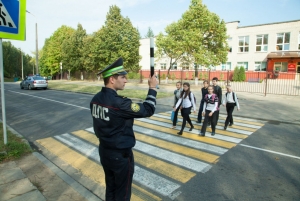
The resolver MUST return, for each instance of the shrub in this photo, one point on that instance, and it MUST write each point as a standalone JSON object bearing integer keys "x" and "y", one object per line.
{"x": 236, "y": 74}
{"x": 173, "y": 77}
{"x": 132, "y": 75}
{"x": 242, "y": 74}
{"x": 163, "y": 76}
{"x": 222, "y": 76}
{"x": 205, "y": 76}
{"x": 200, "y": 76}
{"x": 186, "y": 75}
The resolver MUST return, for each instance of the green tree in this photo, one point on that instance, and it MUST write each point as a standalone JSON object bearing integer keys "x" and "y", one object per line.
{"x": 12, "y": 61}
{"x": 72, "y": 50}
{"x": 52, "y": 53}
{"x": 149, "y": 33}
{"x": 236, "y": 73}
{"x": 137, "y": 28}
{"x": 203, "y": 35}
{"x": 169, "y": 45}
{"x": 118, "y": 38}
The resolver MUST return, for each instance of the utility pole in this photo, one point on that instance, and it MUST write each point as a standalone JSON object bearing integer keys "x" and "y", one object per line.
{"x": 60, "y": 70}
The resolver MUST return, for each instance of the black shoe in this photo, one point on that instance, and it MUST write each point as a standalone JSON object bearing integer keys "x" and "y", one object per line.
{"x": 225, "y": 127}
{"x": 212, "y": 133}
{"x": 201, "y": 134}
{"x": 179, "y": 133}
{"x": 198, "y": 122}
{"x": 230, "y": 124}
{"x": 191, "y": 128}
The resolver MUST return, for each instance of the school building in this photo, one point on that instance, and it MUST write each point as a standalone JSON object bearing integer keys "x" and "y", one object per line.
{"x": 272, "y": 49}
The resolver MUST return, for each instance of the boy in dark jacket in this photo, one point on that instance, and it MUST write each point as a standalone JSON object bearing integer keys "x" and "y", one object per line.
{"x": 204, "y": 92}
{"x": 218, "y": 92}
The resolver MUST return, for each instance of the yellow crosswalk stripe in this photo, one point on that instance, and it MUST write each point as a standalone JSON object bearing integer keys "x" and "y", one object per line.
{"x": 162, "y": 167}
{"x": 204, "y": 156}
{"x": 145, "y": 196}
{"x": 207, "y": 140}
{"x": 227, "y": 133}
{"x": 86, "y": 166}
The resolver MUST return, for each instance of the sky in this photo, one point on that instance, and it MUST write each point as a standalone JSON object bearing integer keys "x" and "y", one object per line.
{"x": 157, "y": 14}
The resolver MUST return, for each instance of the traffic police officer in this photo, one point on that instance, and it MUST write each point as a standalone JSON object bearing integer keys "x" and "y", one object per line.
{"x": 113, "y": 118}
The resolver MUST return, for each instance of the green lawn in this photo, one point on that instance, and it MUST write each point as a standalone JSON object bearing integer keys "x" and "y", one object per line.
{"x": 15, "y": 147}
{"x": 130, "y": 93}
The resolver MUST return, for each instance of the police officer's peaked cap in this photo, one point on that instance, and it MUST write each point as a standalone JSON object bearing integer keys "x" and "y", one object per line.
{"x": 114, "y": 68}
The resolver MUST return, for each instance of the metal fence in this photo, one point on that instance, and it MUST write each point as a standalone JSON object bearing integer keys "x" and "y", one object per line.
{"x": 255, "y": 82}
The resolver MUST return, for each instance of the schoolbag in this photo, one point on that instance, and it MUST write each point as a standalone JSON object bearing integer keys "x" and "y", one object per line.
{"x": 233, "y": 97}
{"x": 191, "y": 98}
{"x": 212, "y": 97}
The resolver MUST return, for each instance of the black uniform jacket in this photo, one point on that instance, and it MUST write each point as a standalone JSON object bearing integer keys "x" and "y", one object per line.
{"x": 113, "y": 117}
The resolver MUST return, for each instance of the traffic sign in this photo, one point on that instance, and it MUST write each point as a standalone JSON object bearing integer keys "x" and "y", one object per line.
{"x": 13, "y": 19}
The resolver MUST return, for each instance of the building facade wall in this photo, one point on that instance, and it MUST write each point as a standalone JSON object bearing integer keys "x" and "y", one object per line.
{"x": 234, "y": 32}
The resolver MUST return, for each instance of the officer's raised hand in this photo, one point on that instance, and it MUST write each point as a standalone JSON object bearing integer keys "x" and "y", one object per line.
{"x": 152, "y": 82}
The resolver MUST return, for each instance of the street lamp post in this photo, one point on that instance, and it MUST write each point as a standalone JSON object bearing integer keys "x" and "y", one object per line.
{"x": 36, "y": 45}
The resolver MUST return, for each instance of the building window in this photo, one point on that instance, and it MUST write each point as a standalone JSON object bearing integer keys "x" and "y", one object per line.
{"x": 185, "y": 66}
{"x": 163, "y": 66}
{"x": 244, "y": 44}
{"x": 283, "y": 41}
{"x": 226, "y": 66}
{"x": 281, "y": 66}
{"x": 212, "y": 68}
{"x": 261, "y": 43}
{"x": 260, "y": 66}
{"x": 174, "y": 66}
{"x": 244, "y": 64}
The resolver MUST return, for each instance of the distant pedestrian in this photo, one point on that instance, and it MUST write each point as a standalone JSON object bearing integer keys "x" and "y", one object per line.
{"x": 177, "y": 94}
{"x": 218, "y": 92}
{"x": 186, "y": 102}
{"x": 230, "y": 101}
{"x": 204, "y": 91}
{"x": 210, "y": 109}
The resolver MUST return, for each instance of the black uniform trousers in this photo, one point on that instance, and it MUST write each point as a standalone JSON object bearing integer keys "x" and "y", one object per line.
{"x": 185, "y": 113}
{"x": 118, "y": 168}
{"x": 212, "y": 119}
{"x": 229, "y": 109}
{"x": 199, "y": 118}
{"x": 175, "y": 116}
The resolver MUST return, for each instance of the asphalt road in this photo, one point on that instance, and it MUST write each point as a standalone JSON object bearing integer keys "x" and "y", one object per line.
{"x": 264, "y": 166}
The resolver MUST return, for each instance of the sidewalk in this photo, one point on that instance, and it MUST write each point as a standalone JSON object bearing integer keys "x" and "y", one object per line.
{"x": 36, "y": 178}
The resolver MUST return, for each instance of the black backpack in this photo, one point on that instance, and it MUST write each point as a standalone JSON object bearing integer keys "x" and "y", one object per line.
{"x": 191, "y": 98}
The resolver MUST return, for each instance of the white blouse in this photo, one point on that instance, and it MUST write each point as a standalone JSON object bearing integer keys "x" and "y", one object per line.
{"x": 186, "y": 102}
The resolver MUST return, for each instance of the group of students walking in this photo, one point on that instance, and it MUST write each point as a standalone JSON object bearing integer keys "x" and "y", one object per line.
{"x": 210, "y": 104}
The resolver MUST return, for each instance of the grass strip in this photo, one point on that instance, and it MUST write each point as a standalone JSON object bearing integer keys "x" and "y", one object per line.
{"x": 130, "y": 93}
{"x": 15, "y": 147}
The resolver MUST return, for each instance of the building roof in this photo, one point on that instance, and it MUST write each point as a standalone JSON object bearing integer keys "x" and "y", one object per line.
{"x": 270, "y": 23}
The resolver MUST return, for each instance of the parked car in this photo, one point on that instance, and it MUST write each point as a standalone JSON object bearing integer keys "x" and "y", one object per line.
{"x": 34, "y": 82}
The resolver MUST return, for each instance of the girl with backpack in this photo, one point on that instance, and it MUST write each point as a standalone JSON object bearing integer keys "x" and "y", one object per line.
{"x": 186, "y": 102}
{"x": 209, "y": 111}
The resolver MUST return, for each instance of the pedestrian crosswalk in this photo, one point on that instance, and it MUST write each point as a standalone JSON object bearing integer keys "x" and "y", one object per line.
{"x": 164, "y": 161}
